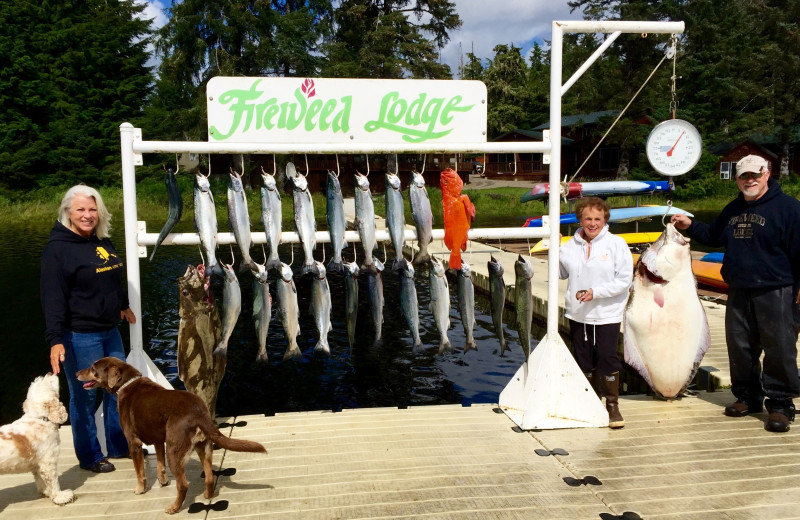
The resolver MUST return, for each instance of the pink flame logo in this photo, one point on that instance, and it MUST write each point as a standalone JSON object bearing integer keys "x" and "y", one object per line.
{"x": 308, "y": 88}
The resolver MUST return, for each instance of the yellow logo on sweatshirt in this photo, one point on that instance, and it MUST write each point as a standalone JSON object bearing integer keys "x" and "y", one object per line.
{"x": 106, "y": 257}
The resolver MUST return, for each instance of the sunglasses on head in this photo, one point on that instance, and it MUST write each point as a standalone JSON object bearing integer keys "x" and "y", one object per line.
{"x": 746, "y": 176}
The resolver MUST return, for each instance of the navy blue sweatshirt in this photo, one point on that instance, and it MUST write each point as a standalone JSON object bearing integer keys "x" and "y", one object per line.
{"x": 81, "y": 284}
{"x": 761, "y": 240}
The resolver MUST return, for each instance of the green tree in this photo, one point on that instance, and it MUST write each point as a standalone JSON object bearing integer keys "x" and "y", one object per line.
{"x": 614, "y": 81}
{"x": 390, "y": 39}
{"x": 473, "y": 69}
{"x": 506, "y": 81}
{"x": 207, "y": 38}
{"x": 72, "y": 72}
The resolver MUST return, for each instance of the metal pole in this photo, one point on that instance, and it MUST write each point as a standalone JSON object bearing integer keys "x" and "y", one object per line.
{"x": 198, "y": 147}
{"x": 588, "y": 63}
{"x": 127, "y": 134}
{"x": 554, "y": 205}
{"x": 381, "y": 235}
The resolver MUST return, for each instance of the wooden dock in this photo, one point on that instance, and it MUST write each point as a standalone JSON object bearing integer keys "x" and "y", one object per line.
{"x": 679, "y": 460}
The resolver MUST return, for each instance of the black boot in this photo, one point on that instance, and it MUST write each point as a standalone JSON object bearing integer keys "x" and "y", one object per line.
{"x": 781, "y": 413}
{"x": 611, "y": 390}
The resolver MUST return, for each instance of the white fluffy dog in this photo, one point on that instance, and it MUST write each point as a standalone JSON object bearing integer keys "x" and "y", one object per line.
{"x": 31, "y": 443}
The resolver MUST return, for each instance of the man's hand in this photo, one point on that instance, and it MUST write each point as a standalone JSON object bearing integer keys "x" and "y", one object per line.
{"x": 681, "y": 221}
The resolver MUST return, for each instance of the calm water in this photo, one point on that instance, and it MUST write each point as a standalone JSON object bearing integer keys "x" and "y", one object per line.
{"x": 386, "y": 375}
{"x": 369, "y": 376}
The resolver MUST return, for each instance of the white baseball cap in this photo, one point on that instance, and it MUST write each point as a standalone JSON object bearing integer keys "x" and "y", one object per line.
{"x": 750, "y": 163}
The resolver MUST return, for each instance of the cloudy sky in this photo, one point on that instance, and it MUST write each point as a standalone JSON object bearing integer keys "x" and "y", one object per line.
{"x": 521, "y": 22}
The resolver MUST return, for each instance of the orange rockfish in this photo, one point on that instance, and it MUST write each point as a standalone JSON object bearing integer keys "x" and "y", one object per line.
{"x": 458, "y": 213}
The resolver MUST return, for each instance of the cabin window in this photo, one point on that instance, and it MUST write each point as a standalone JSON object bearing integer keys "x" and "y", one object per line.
{"x": 725, "y": 170}
{"x": 608, "y": 158}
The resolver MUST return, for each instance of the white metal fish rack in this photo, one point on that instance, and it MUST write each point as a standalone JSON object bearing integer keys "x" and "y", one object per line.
{"x": 547, "y": 390}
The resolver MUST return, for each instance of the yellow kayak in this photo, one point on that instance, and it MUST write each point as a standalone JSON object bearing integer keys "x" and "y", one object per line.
{"x": 645, "y": 237}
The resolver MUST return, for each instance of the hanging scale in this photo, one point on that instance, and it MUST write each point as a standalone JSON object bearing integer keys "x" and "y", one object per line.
{"x": 674, "y": 146}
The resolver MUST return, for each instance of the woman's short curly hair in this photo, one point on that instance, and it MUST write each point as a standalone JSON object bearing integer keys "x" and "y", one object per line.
{"x": 592, "y": 202}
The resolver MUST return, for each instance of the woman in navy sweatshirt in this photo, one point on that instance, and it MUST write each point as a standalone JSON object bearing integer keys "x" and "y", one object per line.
{"x": 83, "y": 302}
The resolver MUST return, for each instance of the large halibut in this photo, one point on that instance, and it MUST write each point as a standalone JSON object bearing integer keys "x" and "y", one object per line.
{"x": 666, "y": 330}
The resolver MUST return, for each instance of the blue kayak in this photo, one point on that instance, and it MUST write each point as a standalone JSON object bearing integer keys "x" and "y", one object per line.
{"x": 619, "y": 215}
{"x": 713, "y": 257}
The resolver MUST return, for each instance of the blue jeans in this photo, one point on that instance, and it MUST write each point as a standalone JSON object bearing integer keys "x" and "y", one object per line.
{"x": 83, "y": 349}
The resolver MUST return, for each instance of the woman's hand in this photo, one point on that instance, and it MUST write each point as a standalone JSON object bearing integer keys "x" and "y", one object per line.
{"x": 128, "y": 315}
{"x": 586, "y": 296}
{"x": 56, "y": 356}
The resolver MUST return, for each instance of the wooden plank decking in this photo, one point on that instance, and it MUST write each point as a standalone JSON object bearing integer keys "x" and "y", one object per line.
{"x": 679, "y": 459}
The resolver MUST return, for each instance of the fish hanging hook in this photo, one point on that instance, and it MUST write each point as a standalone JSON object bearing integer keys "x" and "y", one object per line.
{"x": 385, "y": 256}
{"x": 669, "y": 207}
{"x": 274, "y": 167}
{"x": 338, "y": 172}
{"x": 291, "y": 261}
{"x": 366, "y": 158}
{"x": 202, "y": 258}
{"x": 233, "y": 259}
{"x": 209, "y": 167}
{"x": 306, "y": 159}
{"x": 424, "y": 158}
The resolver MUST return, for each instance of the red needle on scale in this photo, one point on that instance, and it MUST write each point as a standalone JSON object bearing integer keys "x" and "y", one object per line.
{"x": 669, "y": 153}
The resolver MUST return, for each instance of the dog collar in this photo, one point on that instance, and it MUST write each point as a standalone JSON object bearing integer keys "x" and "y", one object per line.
{"x": 45, "y": 419}
{"x": 126, "y": 383}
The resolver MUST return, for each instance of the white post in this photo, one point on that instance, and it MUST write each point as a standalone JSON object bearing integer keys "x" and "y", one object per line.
{"x": 549, "y": 390}
{"x": 137, "y": 356}
{"x": 126, "y": 131}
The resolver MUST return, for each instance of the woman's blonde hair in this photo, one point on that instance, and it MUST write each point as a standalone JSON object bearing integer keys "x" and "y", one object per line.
{"x": 103, "y": 227}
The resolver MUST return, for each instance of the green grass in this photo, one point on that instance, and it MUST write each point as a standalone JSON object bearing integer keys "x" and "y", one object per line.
{"x": 41, "y": 206}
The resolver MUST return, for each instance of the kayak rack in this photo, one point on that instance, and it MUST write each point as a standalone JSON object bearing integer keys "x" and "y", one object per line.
{"x": 548, "y": 390}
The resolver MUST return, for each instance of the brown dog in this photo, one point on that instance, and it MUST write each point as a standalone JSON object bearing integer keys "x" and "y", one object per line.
{"x": 151, "y": 414}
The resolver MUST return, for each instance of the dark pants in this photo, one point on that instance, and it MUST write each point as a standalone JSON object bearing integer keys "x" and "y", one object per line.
{"x": 756, "y": 321}
{"x": 595, "y": 346}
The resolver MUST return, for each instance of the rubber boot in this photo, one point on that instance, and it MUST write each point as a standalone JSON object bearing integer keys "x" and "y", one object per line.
{"x": 611, "y": 390}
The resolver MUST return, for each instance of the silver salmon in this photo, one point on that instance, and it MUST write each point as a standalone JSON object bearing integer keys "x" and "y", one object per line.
{"x": 198, "y": 335}
{"x": 395, "y": 215}
{"x": 422, "y": 215}
{"x": 375, "y": 296}
{"x": 304, "y": 220}
{"x": 666, "y": 330}
{"x": 239, "y": 219}
{"x": 289, "y": 311}
{"x": 321, "y": 306}
{"x": 351, "y": 299}
{"x": 523, "y": 302}
{"x": 262, "y": 313}
{"x": 336, "y": 222}
{"x": 497, "y": 300}
{"x": 271, "y": 217}
{"x": 175, "y": 209}
{"x": 205, "y": 221}
{"x": 466, "y": 304}
{"x": 231, "y": 308}
{"x": 440, "y": 303}
{"x": 365, "y": 219}
{"x": 408, "y": 301}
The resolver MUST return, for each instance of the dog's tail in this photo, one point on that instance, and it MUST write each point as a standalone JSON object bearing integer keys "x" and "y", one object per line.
{"x": 216, "y": 436}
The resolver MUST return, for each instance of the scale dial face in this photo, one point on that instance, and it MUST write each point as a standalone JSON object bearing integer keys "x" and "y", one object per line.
{"x": 674, "y": 147}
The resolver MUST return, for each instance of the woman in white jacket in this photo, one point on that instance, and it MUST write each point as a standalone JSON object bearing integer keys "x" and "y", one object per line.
{"x": 599, "y": 267}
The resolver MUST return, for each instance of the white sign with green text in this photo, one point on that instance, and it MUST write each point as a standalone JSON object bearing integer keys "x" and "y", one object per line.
{"x": 329, "y": 110}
